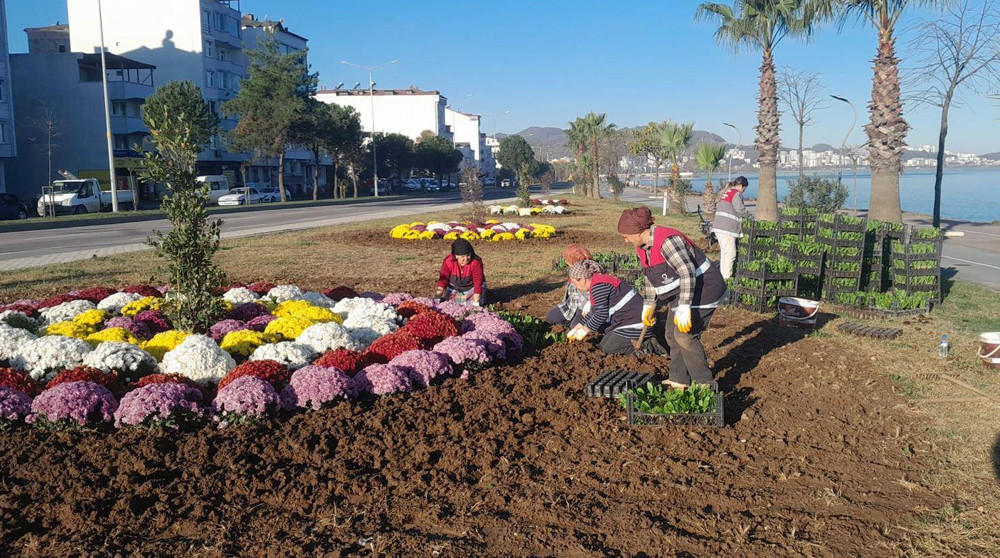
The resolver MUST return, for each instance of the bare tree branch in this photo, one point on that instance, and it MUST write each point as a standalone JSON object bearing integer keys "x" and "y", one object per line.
{"x": 801, "y": 93}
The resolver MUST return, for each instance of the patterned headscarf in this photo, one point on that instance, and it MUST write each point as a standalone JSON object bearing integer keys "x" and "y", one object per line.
{"x": 584, "y": 269}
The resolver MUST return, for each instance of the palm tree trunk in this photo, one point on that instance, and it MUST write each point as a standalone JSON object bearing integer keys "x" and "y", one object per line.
{"x": 939, "y": 172}
{"x": 281, "y": 175}
{"x": 596, "y": 188}
{"x": 708, "y": 198}
{"x": 656, "y": 176}
{"x": 886, "y": 133}
{"x": 336, "y": 184}
{"x": 768, "y": 126}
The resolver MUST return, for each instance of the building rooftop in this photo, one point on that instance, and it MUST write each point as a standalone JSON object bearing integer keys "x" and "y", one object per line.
{"x": 250, "y": 20}
{"x": 56, "y": 27}
{"x": 364, "y": 91}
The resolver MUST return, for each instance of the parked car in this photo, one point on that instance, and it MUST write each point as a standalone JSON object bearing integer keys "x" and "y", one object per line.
{"x": 413, "y": 185}
{"x": 78, "y": 196}
{"x": 218, "y": 186}
{"x": 447, "y": 186}
{"x": 432, "y": 185}
{"x": 241, "y": 196}
{"x": 12, "y": 208}
{"x": 272, "y": 194}
{"x": 488, "y": 181}
{"x": 505, "y": 183}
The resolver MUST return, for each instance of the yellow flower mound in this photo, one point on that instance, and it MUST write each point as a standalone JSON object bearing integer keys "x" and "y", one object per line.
{"x": 241, "y": 344}
{"x": 398, "y": 231}
{"x": 113, "y": 334}
{"x": 522, "y": 234}
{"x": 164, "y": 341}
{"x": 288, "y": 327}
{"x": 536, "y": 210}
{"x": 428, "y": 235}
{"x": 487, "y": 234}
{"x": 69, "y": 329}
{"x": 500, "y": 237}
{"x": 92, "y": 318}
{"x": 304, "y": 309}
{"x": 469, "y": 235}
{"x": 141, "y": 305}
{"x": 492, "y": 222}
{"x": 411, "y": 235}
{"x": 226, "y": 305}
{"x": 453, "y": 235}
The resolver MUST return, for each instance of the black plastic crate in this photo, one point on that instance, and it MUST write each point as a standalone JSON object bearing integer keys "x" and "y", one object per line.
{"x": 615, "y": 382}
{"x": 715, "y": 418}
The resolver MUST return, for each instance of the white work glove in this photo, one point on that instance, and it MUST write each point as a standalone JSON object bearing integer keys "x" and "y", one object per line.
{"x": 577, "y": 333}
{"x": 586, "y": 309}
{"x": 648, "y": 317}
{"x": 682, "y": 318}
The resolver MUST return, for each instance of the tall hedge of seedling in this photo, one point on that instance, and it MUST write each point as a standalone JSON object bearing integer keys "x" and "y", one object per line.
{"x": 180, "y": 125}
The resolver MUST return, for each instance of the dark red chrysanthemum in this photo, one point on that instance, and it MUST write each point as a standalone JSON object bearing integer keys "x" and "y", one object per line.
{"x": 56, "y": 300}
{"x": 261, "y": 287}
{"x": 391, "y": 346}
{"x": 340, "y": 293}
{"x": 166, "y": 379}
{"x": 95, "y": 294}
{"x": 86, "y": 374}
{"x": 270, "y": 371}
{"x": 15, "y": 379}
{"x": 348, "y": 361}
{"x": 431, "y": 327}
{"x": 410, "y": 308}
{"x": 29, "y": 311}
{"x": 143, "y": 290}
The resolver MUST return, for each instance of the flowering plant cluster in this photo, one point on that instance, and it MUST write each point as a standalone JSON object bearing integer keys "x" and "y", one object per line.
{"x": 490, "y": 230}
{"x": 169, "y": 405}
{"x": 272, "y": 372}
{"x": 86, "y": 374}
{"x": 546, "y": 209}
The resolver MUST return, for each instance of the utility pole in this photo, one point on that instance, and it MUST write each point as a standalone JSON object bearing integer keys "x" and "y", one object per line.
{"x": 843, "y": 145}
{"x": 371, "y": 93}
{"x": 107, "y": 116}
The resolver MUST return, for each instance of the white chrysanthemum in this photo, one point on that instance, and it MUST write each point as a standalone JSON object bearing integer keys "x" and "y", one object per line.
{"x": 125, "y": 358}
{"x": 114, "y": 303}
{"x": 326, "y": 337}
{"x": 437, "y": 226}
{"x": 292, "y": 355}
{"x": 46, "y": 356}
{"x": 510, "y": 226}
{"x": 198, "y": 358}
{"x": 363, "y": 336}
{"x": 66, "y": 311}
{"x": 524, "y": 212}
{"x": 511, "y": 210}
{"x": 365, "y": 329}
{"x": 496, "y": 210}
{"x": 12, "y": 339}
{"x": 240, "y": 295}
{"x": 13, "y": 318}
{"x": 362, "y": 307}
{"x": 318, "y": 299}
{"x": 284, "y": 293}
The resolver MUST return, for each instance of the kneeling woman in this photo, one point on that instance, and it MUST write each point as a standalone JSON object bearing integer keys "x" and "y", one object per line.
{"x": 613, "y": 309}
{"x": 461, "y": 278}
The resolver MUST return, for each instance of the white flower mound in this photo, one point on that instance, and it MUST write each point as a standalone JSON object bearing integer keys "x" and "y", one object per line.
{"x": 524, "y": 212}
{"x": 318, "y": 299}
{"x": 240, "y": 295}
{"x": 126, "y": 358}
{"x": 114, "y": 303}
{"x": 364, "y": 329}
{"x": 292, "y": 355}
{"x": 198, "y": 358}
{"x": 326, "y": 337}
{"x": 66, "y": 311}
{"x": 46, "y": 356}
{"x": 284, "y": 293}
{"x": 362, "y": 307}
{"x": 496, "y": 209}
{"x": 13, "y": 318}
{"x": 12, "y": 339}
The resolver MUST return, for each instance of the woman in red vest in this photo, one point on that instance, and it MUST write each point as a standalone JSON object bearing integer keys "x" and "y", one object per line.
{"x": 681, "y": 280}
{"x": 461, "y": 278}
{"x": 613, "y": 309}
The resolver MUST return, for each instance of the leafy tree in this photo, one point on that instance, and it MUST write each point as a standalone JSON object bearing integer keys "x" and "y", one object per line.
{"x": 515, "y": 154}
{"x": 616, "y": 186}
{"x": 272, "y": 103}
{"x": 436, "y": 155}
{"x": 823, "y": 194}
{"x": 761, "y": 25}
{"x": 647, "y": 143}
{"x": 709, "y": 158}
{"x": 180, "y": 125}
{"x": 675, "y": 138}
{"x": 345, "y": 138}
{"x": 596, "y": 128}
{"x": 395, "y": 155}
{"x": 576, "y": 138}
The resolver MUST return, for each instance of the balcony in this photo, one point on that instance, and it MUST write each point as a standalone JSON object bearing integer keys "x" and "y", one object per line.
{"x": 123, "y": 90}
{"x": 127, "y": 125}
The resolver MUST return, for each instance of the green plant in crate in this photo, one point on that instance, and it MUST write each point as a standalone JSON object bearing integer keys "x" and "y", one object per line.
{"x": 851, "y": 236}
{"x": 929, "y": 233}
{"x": 852, "y": 299}
{"x": 824, "y": 232}
{"x": 897, "y": 299}
{"x": 922, "y": 280}
{"x": 853, "y": 221}
{"x": 847, "y": 266}
{"x": 534, "y": 330}
{"x": 923, "y": 248}
{"x": 656, "y": 399}
{"x": 915, "y": 264}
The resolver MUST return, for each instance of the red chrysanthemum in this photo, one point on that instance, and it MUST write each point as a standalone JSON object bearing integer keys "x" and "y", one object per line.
{"x": 167, "y": 379}
{"x": 23, "y": 308}
{"x": 350, "y": 362}
{"x": 393, "y": 345}
{"x": 95, "y": 294}
{"x": 15, "y": 379}
{"x": 86, "y": 374}
{"x": 56, "y": 300}
{"x": 340, "y": 293}
{"x": 431, "y": 327}
{"x": 261, "y": 287}
{"x": 410, "y": 308}
{"x": 270, "y": 371}
{"x": 143, "y": 290}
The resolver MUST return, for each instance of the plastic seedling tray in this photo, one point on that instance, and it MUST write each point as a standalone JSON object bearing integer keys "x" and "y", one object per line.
{"x": 615, "y": 382}
{"x": 714, "y": 418}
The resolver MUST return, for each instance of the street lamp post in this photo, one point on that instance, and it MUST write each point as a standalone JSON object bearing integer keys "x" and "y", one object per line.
{"x": 844, "y": 144}
{"x": 371, "y": 94}
{"x": 107, "y": 115}
{"x": 739, "y": 139}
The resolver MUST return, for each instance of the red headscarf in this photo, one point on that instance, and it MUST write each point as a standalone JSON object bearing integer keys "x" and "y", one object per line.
{"x": 575, "y": 253}
{"x": 634, "y": 221}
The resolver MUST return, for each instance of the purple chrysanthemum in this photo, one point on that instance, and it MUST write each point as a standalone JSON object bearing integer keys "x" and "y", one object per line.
{"x": 372, "y": 295}
{"x": 495, "y": 345}
{"x": 155, "y": 320}
{"x": 460, "y": 351}
{"x": 455, "y": 310}
{"x": 246, "y": 398}
{"x": 379, "y": 379}
{"x": 493, "y": 325}
{"x": 14, "y": 405}
{"x": 423, "y": 366}
{"x": 139, "y": 329}
{"x": 220, "y": 329}
{"x": 260, "y": 322}
{"x": 159, "y": 402}
{"x": 312, "y": 386}
{"x": 395, "y": 299}
{"x": 81, "y": 402}
{"x": 246, "y": 312}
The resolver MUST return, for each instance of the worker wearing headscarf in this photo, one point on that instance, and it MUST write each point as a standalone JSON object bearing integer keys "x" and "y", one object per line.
{"x": 568, "y": 311}
{"x": 461, "y": 278}
{"x": 681, "y": 280}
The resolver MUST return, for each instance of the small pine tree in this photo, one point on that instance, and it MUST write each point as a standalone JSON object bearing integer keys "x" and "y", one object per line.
{"x": 616, "y": 185}
{"x": 472, "y": 194}
{"x": 823, "y": 194}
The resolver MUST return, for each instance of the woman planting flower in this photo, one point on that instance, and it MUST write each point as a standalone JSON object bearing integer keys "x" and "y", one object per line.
{"x": 462, "y": 279}
{"x": 568, "y": 312}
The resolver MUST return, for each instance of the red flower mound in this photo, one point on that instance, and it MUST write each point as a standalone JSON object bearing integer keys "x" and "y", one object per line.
{"x": 167, "y": 379}
{"x": 261, "y": 287}
{"x": 409, "y": 309}
{"x": 15, "y": 379}
{"x": 350, "y": 362}
{"x": 95, "y": 294}
{"x": 86, "y": 374}
{"x": 56, "y": 300}
{"x": 393, "y": 345}
{"x": 431, "y": 327}
{"x": 272, "y": 372}
{"x": 143, "y": 290}
{"x": 23, "y": 308}
{"x": 340, "y": 293}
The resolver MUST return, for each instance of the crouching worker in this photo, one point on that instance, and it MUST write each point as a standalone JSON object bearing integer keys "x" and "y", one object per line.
{"x": 613, "y": 309}
{"x": 681, "y": 280}
{"x": 569, "y": 312}
{"x": 461, "y": 279}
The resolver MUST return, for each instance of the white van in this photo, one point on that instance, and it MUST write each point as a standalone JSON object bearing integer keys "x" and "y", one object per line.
{"x": 218, "y": 186}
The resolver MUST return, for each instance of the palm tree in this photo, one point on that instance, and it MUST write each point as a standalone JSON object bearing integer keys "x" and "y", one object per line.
{"x": 675, "y": 138}
{"x": 576, "y": 138}
{"x": 761, "y": 25}
{"x": 709, "y": 158}
{"x": 596, "y": 128}
{"x": 886, "y": 128}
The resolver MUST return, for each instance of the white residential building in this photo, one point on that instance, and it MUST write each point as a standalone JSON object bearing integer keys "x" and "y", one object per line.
{"x": 401, "y": 111}
{"x": 8, "y": 148}
{"x": 466, "y": 130}
{"x": 493, "y": 145}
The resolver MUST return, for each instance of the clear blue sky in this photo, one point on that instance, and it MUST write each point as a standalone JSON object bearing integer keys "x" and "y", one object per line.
{"x": 550, "y": 61}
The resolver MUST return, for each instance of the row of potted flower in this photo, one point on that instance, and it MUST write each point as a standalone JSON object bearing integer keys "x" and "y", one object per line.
{"x": 490, "y": 230}
{"x": 527, "y": 211}
{"x": 324, "y": 350}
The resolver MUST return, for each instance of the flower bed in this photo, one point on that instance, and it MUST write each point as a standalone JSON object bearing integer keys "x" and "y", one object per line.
{"x": 492, "y": 230}
{"x": 536, "y": 209}
{"x": 69, "y": 360}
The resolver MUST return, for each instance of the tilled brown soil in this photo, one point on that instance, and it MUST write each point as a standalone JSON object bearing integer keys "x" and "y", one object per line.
{"x": 818, "y": 459}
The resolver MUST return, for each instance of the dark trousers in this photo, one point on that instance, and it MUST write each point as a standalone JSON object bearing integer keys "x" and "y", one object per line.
{"x": 555, "y": 317}
{"x": 688, "y": 362}
{"x": 614, "y": 344}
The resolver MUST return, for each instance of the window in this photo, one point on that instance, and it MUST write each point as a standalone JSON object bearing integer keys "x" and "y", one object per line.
{"x": 3, "y": 132}
{"x": 209, "y": 78}
{"x": 118, "y": 108}
{"x": 2, "y": 83}
{"x": 121, "y": 142}
{"x": 218, "y": 21}
{"x": 214, "y": 107}
{"x": 62, "y": 48}
{"x": 209, "y": 49}
{"x": 206, "y": 19}
{"x": 225, "y": 79}
{"x": 213, "y": 142}
{"x": 225, "y": 54}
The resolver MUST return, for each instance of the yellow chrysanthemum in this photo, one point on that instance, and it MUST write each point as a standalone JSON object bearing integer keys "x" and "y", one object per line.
{"x": 492, "y": 222}
{"x": 288, "y": 327}
{"x": 487, "y": 234}
{"x": 148, "y": 303}
{"x": 522, "y": 234}
{"x": 548, "y": 229}
{"x": 226, "y": 305}
{"x": 451, "y": 236}
{"x": 92, "y": 318}
{"x": 113, "y": 334}
{"x": 69, "y": 329}
{"x": 412, "y": 235}
{"x": 427, "y": 235}
{"x": 536, "y": 210}
{"x": 304, "y": 309}
{"x": 500, "y": 237}
{"x": 469, "y": 235}
{"x": 542, "y": 234}
{"x": 164, "y": 341}
{"x": 241, "y": 344}
{"x": 399, "y": 230}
